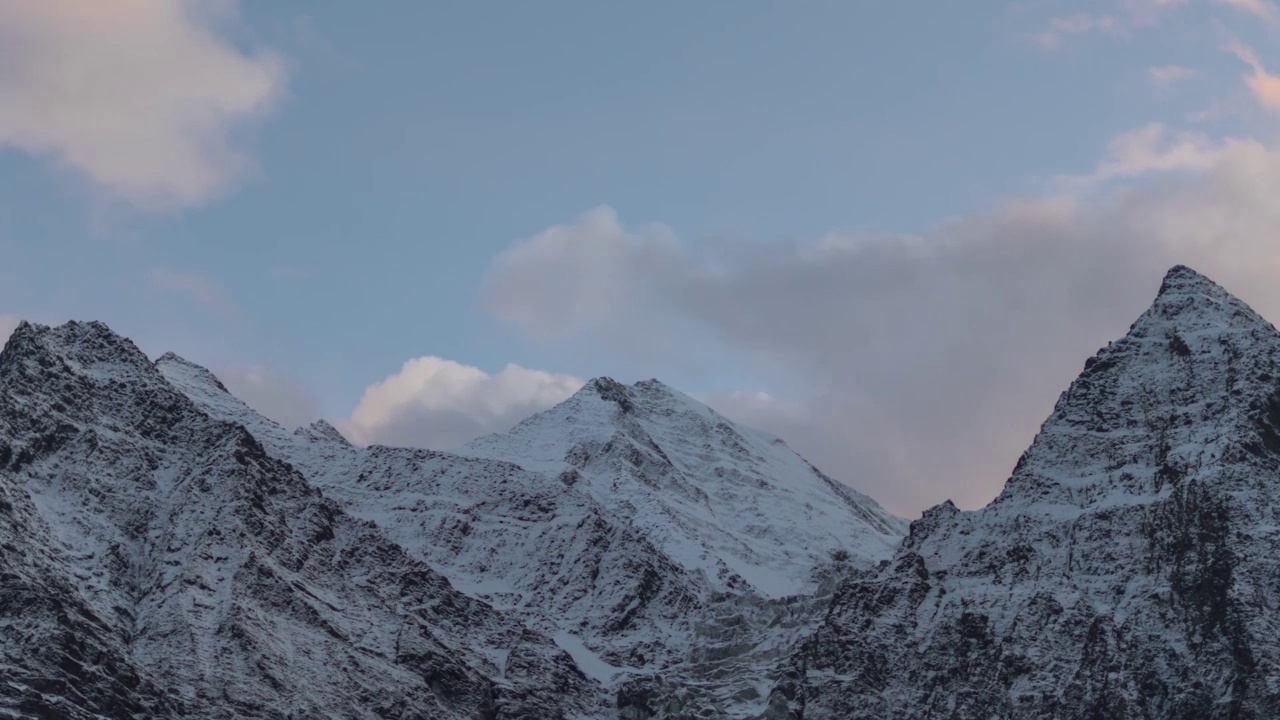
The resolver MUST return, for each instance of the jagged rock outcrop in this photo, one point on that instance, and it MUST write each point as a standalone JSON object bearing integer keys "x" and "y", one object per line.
{"x": 1128, "y": 569}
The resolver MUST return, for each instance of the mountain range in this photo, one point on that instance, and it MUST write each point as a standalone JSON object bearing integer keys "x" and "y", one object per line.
{"x": 167, "y": 552}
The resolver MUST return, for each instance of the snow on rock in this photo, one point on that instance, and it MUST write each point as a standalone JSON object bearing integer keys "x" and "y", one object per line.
{"x": 671, "y": 541}
{"x": 157, "y": 562}
{"x": 1127, "y": 570}
{"x": 732, "y": 503}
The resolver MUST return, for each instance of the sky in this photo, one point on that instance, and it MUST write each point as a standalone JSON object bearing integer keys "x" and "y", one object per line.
{"x": 890, "y": 233}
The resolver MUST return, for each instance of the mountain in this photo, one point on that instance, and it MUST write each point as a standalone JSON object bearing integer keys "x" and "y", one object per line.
{"x": 165, "y": 551}
{"x": 646, "y": 534}
{"x": 1127, "y": 570}
{"x": 157, "y": 562}
{"x": 734, "y": 504}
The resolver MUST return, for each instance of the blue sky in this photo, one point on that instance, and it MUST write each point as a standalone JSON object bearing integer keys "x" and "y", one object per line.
{"x": 305, "y": 196}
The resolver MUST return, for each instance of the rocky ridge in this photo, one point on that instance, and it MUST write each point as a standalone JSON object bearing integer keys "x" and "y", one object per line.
{"x": 1128, "y": 569}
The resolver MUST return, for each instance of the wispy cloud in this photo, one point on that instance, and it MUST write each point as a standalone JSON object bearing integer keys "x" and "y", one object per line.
{"x": 1262, "y": 9}
{"x": 1163, "y": 76}
{"x": 1264, "y": 86}
{"x": 1153, "y": 149}
{"x": 1061, "y": 28}
{"x": 201, "y": 289}
{"x": 139, "y": 97}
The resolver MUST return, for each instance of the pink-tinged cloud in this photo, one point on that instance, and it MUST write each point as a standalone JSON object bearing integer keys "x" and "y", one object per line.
{"x": 1262, "y": 9}
{"x": 917, "y": 368}
{"x": 1264, "y": 86}
{"x": 139, "y": 97}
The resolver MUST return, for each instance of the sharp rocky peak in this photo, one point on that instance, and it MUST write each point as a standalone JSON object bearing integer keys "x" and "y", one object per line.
{"x": 171, "y": 359}
{"x": 322, "y": 430}
{"x": 1115, "y": 576}
{"x": 635, "y": 398}
{"x": 1193, "y": 382}
{"x": 82, "y": 342}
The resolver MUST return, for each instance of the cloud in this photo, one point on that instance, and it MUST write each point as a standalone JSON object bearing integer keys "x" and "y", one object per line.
{"x": 1264, "y": 86}
{"x": 1163, "y": 76}
{"x": 441, "y": 404}
{"x": 1155, "y": 149}
{"x": 140, "y": 97}
{"x": 274, "y": 396}
{"x": 198, "y": 288}
{"x": 924, "y": 364}
{"x": 1060, "y": 28}
{"x": 584, "y": 269}
{"x": 1261, "y": 9}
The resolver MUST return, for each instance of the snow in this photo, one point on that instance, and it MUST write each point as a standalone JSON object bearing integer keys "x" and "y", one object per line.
{"x": 588, "y": 661}
{"x": 154, "y": 553}
{"x": 1135, "y": 533}
{"x": 627, "y": 556}
{"x": 732, "y": 503}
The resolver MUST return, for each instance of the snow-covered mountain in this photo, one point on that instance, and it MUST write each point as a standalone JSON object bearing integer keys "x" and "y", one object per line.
{"x": 1129, "y": 569}
{"x": 156, "y": 562}
{"x": 733, "y": 504}
{"x": 168, "y": 552}
{"x": 622, "y": 523}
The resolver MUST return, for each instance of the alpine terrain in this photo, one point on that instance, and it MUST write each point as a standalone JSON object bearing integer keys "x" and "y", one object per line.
{"x": 1128, "y": 570}
{"x": 167, "y": 552}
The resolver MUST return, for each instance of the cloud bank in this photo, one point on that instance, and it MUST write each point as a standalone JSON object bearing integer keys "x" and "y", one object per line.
{"x": 929, "y": 361}
{"x": 141, "y": 98}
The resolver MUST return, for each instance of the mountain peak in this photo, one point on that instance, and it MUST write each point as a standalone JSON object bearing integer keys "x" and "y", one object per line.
{"x": 85, "y": 343}
{"x": 606, "y": 388}
{"x": 1195, "y": 372}
{"x": 174, "y": 360}
{"x": 322, "y": 430}
{"x": 1188, "y": 301}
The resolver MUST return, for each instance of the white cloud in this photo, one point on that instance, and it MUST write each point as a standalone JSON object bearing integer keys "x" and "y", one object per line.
{"x": 140, "y": 97}
{"x": 441, "y": 404}
{"x": 274, "y": 396}
{"x": 929, "y": 362}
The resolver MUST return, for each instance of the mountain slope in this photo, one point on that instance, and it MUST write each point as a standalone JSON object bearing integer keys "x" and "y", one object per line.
{"x": 155, "y": 562}
{"x": 632, "y": 580}
{"x": 1127, "y": 570}
{"x": 732, "y": 503}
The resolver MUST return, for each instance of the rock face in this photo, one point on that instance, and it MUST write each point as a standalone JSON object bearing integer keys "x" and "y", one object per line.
{"x": 1128, "y": 569}
{"x": 657, "y": 542}
{"x": 156, "y": 562}
{"x": 166, "y": 552}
